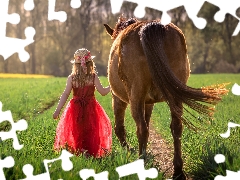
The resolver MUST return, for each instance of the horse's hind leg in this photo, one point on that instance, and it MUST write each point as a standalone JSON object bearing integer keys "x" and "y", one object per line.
{"x": 119, "y": 108}
{"x": 148, "y": 113}
{"x": 176, "y": 129}
{"x": 138, "y": 113}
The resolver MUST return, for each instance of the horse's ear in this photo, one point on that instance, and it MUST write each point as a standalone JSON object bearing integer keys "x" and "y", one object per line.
{"x": 108, "y": 29}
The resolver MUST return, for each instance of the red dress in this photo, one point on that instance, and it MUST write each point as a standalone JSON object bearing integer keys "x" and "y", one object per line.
{"x": 84, "y": 126}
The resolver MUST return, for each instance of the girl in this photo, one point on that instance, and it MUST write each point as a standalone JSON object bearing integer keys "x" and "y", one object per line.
{"x": 84, "y": 127}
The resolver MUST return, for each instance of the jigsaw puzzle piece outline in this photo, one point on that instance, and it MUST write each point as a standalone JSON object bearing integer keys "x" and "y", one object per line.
{"x": 13, "y": 18}
{"x": 227, "y": 133}
{"x": 192, "y": 8}
{"x": 75, "y": 4}
{"x": 229, "y": 175}
{"x": 20, "y": 125}
{"x": 55, "y": 15}
{"x": 15, "y": 45}
{"x": 66, "y": 164}
{"x": 28, "y": 171}
{"x": 29, "y": 5}
{"x": 225, "y": 8}
{"x": 7, "y": 162}
{"x": 137, "y": 167}
{"x": 217, "y": 9}
{"x": 8, "y": 45}
{"x": 220, "y": 158}
{"x": 87, "y": 173}
{"x": 236, "y": 89}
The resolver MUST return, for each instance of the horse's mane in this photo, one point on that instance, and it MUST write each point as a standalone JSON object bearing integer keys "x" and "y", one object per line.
{"x": 122, "y": 24}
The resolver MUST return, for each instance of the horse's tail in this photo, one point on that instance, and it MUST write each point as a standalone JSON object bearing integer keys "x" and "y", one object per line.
{"x": 173, "y": 90}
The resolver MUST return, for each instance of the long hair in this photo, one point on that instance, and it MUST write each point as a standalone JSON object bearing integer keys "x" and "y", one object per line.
{"x": 81, "y": 79}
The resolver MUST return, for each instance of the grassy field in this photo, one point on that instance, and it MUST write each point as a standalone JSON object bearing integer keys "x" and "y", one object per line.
{"x": 35, "y": 100}
{"x": 200, "y": 148}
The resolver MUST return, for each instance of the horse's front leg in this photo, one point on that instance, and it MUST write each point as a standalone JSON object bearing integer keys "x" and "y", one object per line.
{"x": 119, "y": 108}
{"x": 138, "y": 114}
{"x": 176, "y": 129}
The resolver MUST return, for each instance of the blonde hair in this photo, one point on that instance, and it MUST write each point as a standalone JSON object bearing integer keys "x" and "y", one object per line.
{"x": 79, "y": 78}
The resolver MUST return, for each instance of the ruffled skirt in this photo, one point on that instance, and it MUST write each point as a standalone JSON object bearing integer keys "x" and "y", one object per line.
{"x": 84, "y": 128}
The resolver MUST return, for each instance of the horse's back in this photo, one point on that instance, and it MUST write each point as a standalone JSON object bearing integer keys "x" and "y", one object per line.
{"x": 129, "y": 68}
{"x": 176, "y": 51}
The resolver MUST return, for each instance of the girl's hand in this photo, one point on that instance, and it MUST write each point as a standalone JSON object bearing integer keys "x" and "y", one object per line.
{"x": 55, "y": 115}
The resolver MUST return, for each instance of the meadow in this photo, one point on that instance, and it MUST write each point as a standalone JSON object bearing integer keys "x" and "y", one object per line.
{"x": 34, "y": 99}
{"x": 199, "y": 148}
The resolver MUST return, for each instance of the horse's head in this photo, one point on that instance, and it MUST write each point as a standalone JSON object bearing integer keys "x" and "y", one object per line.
{"x": 122, "y": 23}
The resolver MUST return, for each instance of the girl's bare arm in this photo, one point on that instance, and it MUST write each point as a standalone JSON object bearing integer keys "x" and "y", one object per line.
{"x": 64, "y": 97}
{"x": 102, "y": 90}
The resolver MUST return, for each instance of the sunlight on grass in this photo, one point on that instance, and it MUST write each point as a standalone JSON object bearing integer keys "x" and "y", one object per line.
{"x": 36, "y": 99}
{"x": 199, "y": 148}
{"x": 6, "y": 75}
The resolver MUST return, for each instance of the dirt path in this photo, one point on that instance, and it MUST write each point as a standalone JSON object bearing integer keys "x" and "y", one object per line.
{"x": 162, "y": 152}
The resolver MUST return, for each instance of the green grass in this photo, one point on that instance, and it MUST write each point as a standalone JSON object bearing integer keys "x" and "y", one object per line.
{"x": 28, "y": 97}
{"x": 200, "y": 148}
{"x": 35, "y": 100}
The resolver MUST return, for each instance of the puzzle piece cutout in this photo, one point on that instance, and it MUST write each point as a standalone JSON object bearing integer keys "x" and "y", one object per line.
{"x": 75, "y": 4}
{"x": 29, "y": 5}
{"x": 229, "y": 175}
{"x": 16, "y": 126}
{"x": 214, "y": 11}
{"x": 236, "y": 89}
{"x": 197, "y": 20}
{"x": 52, "y": 14}
{"x": 5, "y": 17}
{"x": 8, "y": 45}
{"x": 60, "y": 15}
{"x": 5, "y": 163}
{"x": 87, "y": 173}
{"x": 230, "y": 125}
{"x": 137, "y": 167}
{"x": 219, "y": 158}
{"x": 66, "y": 166}
{"x": 192, "y": 8}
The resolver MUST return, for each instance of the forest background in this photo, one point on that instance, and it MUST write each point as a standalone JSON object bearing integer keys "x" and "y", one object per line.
{"x": 211, "y": 50}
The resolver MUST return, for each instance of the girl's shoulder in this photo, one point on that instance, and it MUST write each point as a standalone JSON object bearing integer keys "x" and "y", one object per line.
{"x": 69, "y": 78}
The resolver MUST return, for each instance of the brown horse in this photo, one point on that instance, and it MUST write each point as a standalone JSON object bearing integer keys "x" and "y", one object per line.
{"x": 148, "y": 63}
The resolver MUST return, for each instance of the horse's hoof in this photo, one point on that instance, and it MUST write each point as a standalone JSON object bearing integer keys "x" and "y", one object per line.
{"x": 180, "y": 176}
{"x": 143, "y": 155}
{"x": 131, "y": 149}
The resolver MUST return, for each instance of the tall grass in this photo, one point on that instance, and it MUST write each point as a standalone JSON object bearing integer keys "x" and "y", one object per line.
{"x": 28, "y": 97}
{"x": 200, "y": 148}
{"x": 35, "y": 101}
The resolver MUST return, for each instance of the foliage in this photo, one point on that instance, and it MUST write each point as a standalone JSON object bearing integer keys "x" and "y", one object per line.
{"x": 56, "y": 42}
